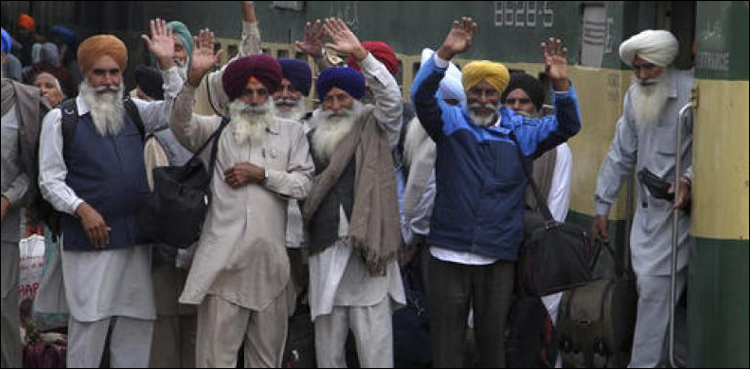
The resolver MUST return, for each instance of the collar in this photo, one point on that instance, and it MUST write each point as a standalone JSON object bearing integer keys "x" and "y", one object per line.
{"x": 82, "y": 106}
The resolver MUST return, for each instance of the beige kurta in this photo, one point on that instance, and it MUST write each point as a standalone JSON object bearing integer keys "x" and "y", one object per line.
{"x": 241, "y": 256}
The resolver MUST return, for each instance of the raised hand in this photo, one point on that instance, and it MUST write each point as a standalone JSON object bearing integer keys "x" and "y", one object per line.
{"x": 459, "y": 38}
{"x": 204, "y": 59}
{"x": 161, "y": 43}
{"x": 344, "y": 40}
{"x": 556, "y": 63}
{"x": 313, "y": 43}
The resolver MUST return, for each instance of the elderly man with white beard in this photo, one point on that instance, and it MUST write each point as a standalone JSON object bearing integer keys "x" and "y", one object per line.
{"x": 240, "y": 277}
{"x": 477, "y": 222}
{"x": 645, "y": 139}
{"x": 352, "y": 211}
{"x": 92, "y": 171}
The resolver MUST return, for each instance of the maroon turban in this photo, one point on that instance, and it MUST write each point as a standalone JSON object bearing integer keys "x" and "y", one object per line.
{"x": 261, "y": 67}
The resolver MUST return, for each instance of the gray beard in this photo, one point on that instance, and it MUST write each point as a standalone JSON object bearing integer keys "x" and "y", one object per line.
{"x": 295, "y": 113}
{"x": 250, "y": 122}
{"x": 107, "y": 111}
{"x": 484, "y": 121}
{"x": 648, "y": 103}
{"x": 330, "y": 131}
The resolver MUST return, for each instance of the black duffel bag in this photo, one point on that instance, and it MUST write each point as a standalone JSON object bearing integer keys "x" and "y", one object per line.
{"x": 554, "y": 256}
{"x": 177, "y": 206}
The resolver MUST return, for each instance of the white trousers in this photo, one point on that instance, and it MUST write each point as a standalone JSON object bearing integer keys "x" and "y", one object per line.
{"x": 652, "y": 322}
{"x": 129, "y": 344}
{"x": 372, "y": 327}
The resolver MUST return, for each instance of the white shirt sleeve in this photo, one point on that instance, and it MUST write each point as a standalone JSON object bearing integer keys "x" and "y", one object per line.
{"x": 558, "y": 198}
{"x": 52, "y": 169}
{"x": 155, "y": 114}
{"x": 388, "y": 104}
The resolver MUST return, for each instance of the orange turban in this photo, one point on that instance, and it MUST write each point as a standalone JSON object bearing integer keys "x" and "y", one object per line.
{"x": 26, "y": 22}
{"x": 95, "y": 47}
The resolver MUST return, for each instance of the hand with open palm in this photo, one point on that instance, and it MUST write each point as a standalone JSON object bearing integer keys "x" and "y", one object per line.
{"x": 343, "y": 39}
{"x": 459, "y": 38}
{"x": 160, "y": 44}
{"x": 204, "y": 59}
{"x": 313, "y": 43}
{"x": 556, "y": 63}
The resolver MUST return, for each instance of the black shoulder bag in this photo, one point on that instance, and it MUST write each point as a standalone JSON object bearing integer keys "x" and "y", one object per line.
{"x": 554, "y": 256}
{"x": 176, "y": 208}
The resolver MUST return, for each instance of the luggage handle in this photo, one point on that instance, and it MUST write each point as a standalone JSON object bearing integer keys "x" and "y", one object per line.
{"x": 675, "y": 232}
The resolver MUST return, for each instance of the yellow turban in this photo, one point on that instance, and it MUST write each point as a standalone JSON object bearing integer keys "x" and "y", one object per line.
{"x": 495, "y": 74}
{"x": 95, "y": 47}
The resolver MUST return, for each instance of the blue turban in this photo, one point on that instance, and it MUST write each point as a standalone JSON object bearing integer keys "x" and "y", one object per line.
{"x": 7, "y": 42}
{"x": 181, "y": 30}
{"x": 298, "y": 73}
{"x": 345, "y": 78}
{"x": 64, "y": 34}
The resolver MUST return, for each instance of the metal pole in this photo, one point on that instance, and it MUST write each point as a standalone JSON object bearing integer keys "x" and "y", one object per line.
{"x": 675, "y": 233}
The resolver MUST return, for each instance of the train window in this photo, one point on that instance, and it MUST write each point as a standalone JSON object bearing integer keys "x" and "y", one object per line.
{"x": 283, "y": 53}
{"x": 593, "y": 35}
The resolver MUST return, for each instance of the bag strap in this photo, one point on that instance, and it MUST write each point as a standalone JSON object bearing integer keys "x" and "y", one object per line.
{"x": 540, "y": 199}
{"x": 69, "y": 110}
{"x": 215, "y": 149}
{"x": 135, "y": 116}
{"x": 617, "y": 257}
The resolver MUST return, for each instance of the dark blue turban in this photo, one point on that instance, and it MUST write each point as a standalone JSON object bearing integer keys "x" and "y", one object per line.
{"x": 345, "y": 78}
{"x": 298, "y": 73}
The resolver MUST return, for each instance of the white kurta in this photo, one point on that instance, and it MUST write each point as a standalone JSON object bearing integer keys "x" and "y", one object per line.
{"x": 338, "y": 276}
{"x": 241, "y": 256}
{"x": 101, "y": 284}
{"x": 637, "y": 146}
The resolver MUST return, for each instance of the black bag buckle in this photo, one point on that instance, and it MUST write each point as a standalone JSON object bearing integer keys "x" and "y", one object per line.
{"x": 658, "y": 187}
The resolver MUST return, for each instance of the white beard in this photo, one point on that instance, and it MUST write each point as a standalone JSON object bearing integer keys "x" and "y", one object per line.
{"x": 330, "y": 131}
{"x": 648, "y": 102}
{"x": 250, "y": 122}
{"x": 107, "y": 111}
{"x": 484, "y": 121}
{"x": 295, "y": 112}
{"x": 182, "y": 70}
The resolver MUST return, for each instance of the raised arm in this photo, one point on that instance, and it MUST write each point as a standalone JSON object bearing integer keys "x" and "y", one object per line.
{"x": 430, "y": 110}
{"x": 388, "y": 105}
{"x": 155, "y": 115}
{"x": 193, "y": 130}
{"x": 251, "y": 40}
{"x": 537, "y": 136}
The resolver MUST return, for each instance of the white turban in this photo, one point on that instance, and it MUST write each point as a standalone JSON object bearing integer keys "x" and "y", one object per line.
{"x": 450, "y": 87}
{"x": 656, "y": 47}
